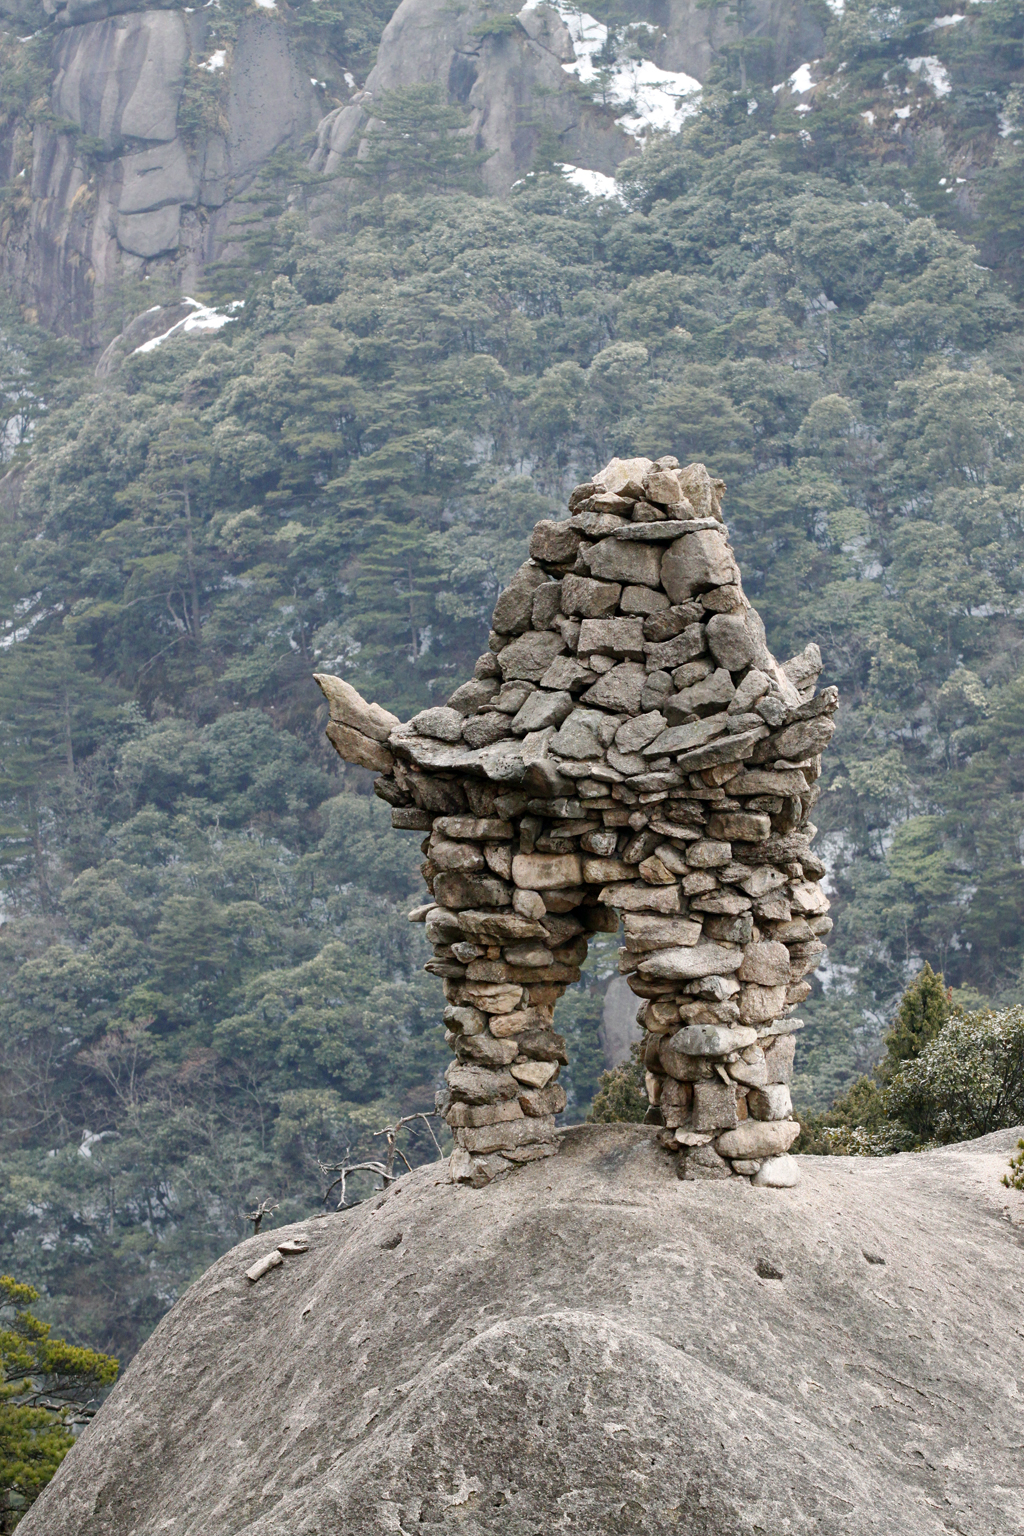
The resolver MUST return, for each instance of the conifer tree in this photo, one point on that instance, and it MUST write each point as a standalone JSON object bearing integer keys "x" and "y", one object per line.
{"x": 923, "y": 1010}
{"x": 44, "y": 1384}
{"x": 418, "y": 140}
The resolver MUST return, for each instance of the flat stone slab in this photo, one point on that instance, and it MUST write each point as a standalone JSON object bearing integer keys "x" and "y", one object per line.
{"x": 590, "y": 1345}
{"x": 664, "y": 532}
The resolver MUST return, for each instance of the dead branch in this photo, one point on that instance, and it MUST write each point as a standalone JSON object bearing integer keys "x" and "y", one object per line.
{"x": 264, "y": 1208}
{"x": 385, "y": 1169}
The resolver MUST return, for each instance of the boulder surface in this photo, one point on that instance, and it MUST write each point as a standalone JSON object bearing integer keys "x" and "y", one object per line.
{"x": 589, "y": 1345}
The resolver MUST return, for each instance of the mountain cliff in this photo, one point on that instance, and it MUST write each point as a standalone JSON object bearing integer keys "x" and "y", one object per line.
{"x": 130, "y": 137}
{"x": 134, "y": 167}
{"x": 552, "y": 76}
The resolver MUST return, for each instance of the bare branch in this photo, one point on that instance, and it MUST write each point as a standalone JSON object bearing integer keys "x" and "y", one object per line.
{"x": 264, "y": 1208}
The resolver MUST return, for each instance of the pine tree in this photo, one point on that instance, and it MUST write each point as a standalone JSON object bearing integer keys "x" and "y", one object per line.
{"x": 417, "y": 140}
{"x": 621, "y": 1094}
{"x": 923, "y": 1010}
{"x": 44, "y": 1383}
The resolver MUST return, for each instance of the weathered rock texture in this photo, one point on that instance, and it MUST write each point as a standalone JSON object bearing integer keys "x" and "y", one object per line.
{"x": 137, "y": 186}
{"x": 144, "y": 195}
{"x": 515, "y": 84}
{"x": 589, "y": 1346}
{"x": 628, "y": 747}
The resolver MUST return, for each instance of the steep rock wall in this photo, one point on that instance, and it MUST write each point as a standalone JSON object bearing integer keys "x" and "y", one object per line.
{"x": 529, "y": 86}
{"x": 121, "y": 179}
{"x": 119, "y": 187}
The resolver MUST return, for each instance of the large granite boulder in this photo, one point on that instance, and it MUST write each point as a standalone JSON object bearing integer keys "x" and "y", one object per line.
{"x": 162, "y": 197}
{"x": 589, "y": 1345}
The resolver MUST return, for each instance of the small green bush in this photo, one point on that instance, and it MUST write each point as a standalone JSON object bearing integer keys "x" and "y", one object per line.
{"x": 967, "y": 1082}
{"x": 621, "y": 1094}
{"x": 1015, "y": 1178}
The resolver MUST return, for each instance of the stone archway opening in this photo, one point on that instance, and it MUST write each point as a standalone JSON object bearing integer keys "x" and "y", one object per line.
{"x": 627, "y": 751}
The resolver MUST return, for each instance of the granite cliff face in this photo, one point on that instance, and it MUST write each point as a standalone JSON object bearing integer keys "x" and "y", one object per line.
{"x": 151, "y": 126}
{"x": 121, "y": 185}
{"x": 539, "y": 81}
{"x": 588, "y": 1345}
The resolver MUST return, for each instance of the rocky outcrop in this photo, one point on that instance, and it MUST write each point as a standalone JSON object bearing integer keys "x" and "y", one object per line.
{"x": 628, "y": 748}
{"x": 589, "y": 1346}
{"x": 513, "y": 84}
{"x": 533, "y": 81}
{"x": 120, "y": 186}
{"x": 137, "y": 169}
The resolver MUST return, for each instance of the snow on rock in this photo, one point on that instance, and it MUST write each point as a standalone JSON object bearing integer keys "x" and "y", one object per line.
{"x": 658, "y": 99}
{"x": 933, "y": 72}
{"x": 594, "y": 183}
{"x": 202, "y": 318}
{"x": 801, "y": 80}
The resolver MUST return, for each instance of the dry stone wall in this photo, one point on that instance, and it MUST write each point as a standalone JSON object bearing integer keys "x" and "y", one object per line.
{"x": 627, "y": 749}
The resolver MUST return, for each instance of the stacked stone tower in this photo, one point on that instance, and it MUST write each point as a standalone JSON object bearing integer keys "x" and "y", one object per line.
{"x": 628, "y": 748}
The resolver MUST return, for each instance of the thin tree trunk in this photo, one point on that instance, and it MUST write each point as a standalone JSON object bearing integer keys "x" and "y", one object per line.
{"x": 68, "y": 748}
{"x": 412, "y": 616}
{"x": 197, "y": 633}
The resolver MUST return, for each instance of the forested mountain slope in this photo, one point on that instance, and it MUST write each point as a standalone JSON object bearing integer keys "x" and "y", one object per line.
{"x": 205, "y": 965}
{"x": 131, "y": 134}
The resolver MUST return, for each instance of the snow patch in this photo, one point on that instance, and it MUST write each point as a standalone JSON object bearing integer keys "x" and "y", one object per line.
{"x": 869, "y": 118}
{"x": 202, "y": 318}
{"x": 657, "y": 99}
{"x": 933, "y": 72}
{"x": 215, "y": 61}
{"x": 945, "y": 21}
{"x": 837, "y": 7}
{"x": 16, "y": 635}
{"x": 800, "y": 80}
{"x": 594, "y": 183}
